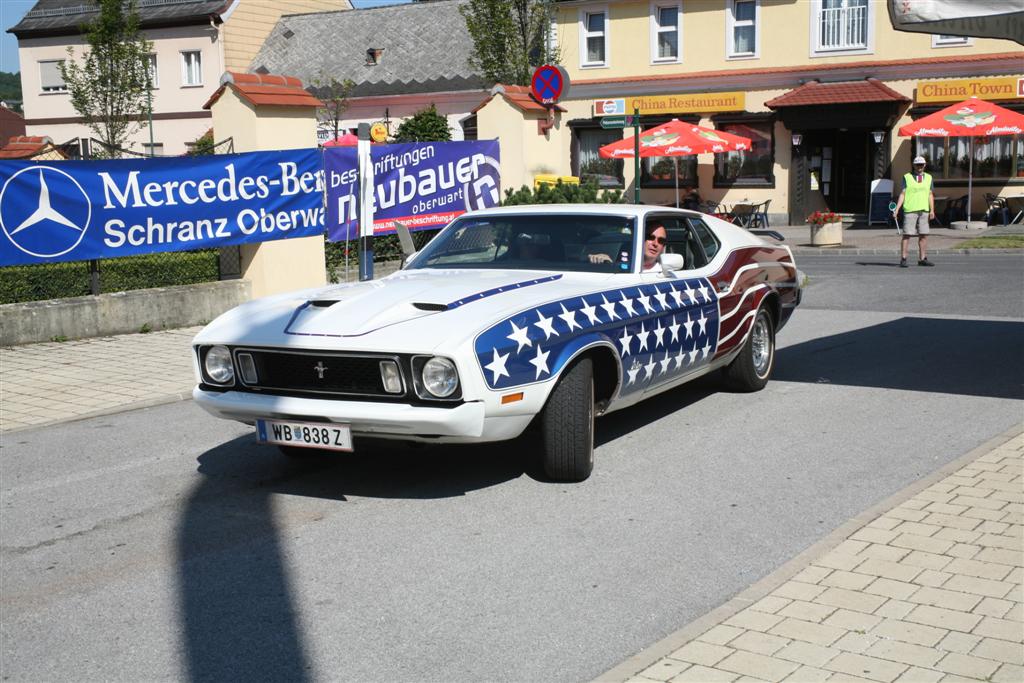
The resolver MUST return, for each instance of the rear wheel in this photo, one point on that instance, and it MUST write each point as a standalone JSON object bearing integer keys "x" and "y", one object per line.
{"x": 567, "y": 425}
{"x": 750, "y": 370}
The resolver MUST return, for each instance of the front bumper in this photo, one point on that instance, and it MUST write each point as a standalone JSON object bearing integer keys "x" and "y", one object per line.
{"x": 465, "y": 422}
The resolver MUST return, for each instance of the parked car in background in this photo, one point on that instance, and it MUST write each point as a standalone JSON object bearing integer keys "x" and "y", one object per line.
{"x": 508, "y": 317}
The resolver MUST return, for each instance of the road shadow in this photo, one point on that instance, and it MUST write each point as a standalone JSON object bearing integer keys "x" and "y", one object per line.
{"x": 967, "y": 357}
{"x": 234, "y": 590}
{"x": 884, "y": 264}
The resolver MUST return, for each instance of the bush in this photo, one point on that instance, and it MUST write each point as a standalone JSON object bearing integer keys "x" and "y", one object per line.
{"x": 561, "y": 193}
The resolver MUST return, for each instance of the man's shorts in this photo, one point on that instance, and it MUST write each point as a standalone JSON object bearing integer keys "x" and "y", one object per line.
{"x": 915, "y": 223}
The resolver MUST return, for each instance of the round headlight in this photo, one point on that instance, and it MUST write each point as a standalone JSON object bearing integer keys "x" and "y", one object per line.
{"x": 440, "y": 377}
{"x": 218, "y": 365}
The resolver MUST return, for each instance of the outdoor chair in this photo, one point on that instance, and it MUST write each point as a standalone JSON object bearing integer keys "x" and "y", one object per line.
{"x": 760, "y": 219}
{"x": 997, "y": 209}
{"x": 956, "y": 210}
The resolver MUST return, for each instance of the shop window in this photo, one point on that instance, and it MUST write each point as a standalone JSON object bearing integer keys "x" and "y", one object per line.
{"x": 587, "y": 162}
{"x": 660, "y": 171}
{"x": 50, "y": 79}
{"x": 665, "y": 31}
{"x": 593, "y": 38}
{"x": 842, "y": 25}
{"x": 743, "y": 40}
{"x": 754, "y": 167}
{"x": 995, "y": 157}
{"x": 191, "y": 68}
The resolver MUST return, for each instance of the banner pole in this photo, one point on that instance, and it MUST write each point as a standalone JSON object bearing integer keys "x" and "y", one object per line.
{"x": 636, "y": 155}
{"x": 365, "y": 203}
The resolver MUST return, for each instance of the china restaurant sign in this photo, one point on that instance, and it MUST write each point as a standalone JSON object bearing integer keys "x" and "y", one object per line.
{"x": 685, "y": 103}
{"x": 1002, "y": 88}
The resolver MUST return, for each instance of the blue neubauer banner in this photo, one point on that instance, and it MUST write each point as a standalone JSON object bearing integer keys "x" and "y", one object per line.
{"x": 76, "y": 210}
{"x": 420, "y": 184}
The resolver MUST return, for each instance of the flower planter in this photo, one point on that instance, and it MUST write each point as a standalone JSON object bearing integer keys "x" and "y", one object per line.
{"x": 827, "y": 234}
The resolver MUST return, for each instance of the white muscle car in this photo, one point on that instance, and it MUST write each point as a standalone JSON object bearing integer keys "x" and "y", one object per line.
{"x": 507, "y": 317}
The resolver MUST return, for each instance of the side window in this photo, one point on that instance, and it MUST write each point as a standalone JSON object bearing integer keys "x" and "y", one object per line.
{"x": 683, "y": 241}
{"x": 706, "y": 238}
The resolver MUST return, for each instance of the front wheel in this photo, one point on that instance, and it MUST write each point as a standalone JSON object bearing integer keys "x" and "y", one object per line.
{"x": 750, "y": 370}
{"x": 567, "y": 425}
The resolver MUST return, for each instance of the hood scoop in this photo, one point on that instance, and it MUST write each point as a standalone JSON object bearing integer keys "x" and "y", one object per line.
{"x": 322, "y": 303}
{"x": 430, "y": 307}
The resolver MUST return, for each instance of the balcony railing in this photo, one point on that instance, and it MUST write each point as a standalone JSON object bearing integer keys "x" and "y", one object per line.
{"x": 843, "y": 28}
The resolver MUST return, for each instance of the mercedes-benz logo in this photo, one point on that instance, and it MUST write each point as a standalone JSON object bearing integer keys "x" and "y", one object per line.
{"x": 44, "y": 211}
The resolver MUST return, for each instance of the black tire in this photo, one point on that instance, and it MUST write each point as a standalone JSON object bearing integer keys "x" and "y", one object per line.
{"x": 567, "y": 425}
{"x": 750, "y": 370}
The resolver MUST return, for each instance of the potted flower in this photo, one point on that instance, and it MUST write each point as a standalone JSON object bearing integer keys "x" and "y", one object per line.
{"x": 826, "y": 228}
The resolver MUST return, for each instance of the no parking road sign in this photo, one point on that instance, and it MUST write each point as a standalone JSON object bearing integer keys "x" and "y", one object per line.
{"x": 549, "y": 84}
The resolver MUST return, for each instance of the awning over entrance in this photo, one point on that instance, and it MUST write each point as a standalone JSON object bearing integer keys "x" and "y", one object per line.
{"x": 849, "y": 104}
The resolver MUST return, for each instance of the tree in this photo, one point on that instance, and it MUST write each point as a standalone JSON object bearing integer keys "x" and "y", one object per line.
{"x": 510, "y": 38}
{"x": 334, "y": 94}
{"x": 425, "y": 125}
{"x": 110, "y": 87}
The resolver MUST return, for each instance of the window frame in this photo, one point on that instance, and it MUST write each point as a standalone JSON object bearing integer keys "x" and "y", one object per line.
{"x": 185, "y": 70}
{"x": 943, "y": 41}
{"x": 655, "y": 7}
{"x": 940, "y": 175}
{"x": 768, "y": 182}
{"x": 730, "y": 31}
{"x": 51, "y": 90}
{"x": 154, "y": 63}
{"x": 817, "y": 50}
{"x": 584, "y": 30}
{"x": 585, "y": 125}
{"x": 158, "y": 149}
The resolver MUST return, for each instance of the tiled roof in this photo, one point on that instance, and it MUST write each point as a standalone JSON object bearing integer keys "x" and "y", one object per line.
{"x": 23, "y": 147}
{"x": 1012, "y": 59}
{"x": 265, "y": 89}
{"x": 63, "y": 17}
{"x": 423, "y": 47}
{"x": 849, "y": 92}
{"x": 518, "y": 96}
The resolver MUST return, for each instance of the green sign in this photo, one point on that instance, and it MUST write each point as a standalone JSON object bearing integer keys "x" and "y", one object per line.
{"x": 619, "y": 121}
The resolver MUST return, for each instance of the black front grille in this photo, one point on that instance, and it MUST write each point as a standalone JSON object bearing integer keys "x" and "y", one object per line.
{"x": 321, "y": 373}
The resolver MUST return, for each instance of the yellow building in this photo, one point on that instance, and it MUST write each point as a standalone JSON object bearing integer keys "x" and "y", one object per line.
{"x": 831, "y": 75}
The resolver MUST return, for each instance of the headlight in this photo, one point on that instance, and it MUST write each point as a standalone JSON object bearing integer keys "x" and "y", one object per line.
{"x": 439, "y": 377}
{"x": 218, "y": 366}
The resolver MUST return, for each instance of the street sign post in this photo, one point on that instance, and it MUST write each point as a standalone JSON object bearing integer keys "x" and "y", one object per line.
{"x": 610, "y": 122}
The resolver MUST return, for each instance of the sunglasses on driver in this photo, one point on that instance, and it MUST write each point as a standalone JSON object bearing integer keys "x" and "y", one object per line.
{"x": 656, "y": 238}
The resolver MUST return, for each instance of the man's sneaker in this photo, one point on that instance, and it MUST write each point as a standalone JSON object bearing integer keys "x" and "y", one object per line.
{"x": 925, "y": 262}
{"x": 903, "y": 263}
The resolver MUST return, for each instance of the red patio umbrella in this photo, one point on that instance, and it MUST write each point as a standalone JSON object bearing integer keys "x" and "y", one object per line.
{"x": 971, "y": 118}
{"x": 675, "y": 139}
{"x": 346, "y": 140}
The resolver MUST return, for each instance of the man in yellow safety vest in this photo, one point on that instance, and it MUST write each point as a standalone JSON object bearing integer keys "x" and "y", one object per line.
{"x": 918, "y": 202}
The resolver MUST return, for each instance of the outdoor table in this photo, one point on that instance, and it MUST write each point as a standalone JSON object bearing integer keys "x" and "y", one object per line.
{"x": 742, "y": 213}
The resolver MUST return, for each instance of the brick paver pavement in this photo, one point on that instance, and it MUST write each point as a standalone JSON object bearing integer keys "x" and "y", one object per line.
{"x": 928, "y": 590}
{"x": 57, "y": 381}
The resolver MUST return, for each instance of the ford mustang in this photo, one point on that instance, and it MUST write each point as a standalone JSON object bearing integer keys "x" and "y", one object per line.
{"x": 547, "y": 315}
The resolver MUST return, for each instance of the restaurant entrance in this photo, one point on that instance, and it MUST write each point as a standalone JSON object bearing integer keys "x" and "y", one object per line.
{"x": 840, "y": 165}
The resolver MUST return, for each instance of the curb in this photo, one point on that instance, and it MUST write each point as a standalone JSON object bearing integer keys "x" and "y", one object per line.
{"x": 112, "y": 410}
{"x": 748, "y": 596}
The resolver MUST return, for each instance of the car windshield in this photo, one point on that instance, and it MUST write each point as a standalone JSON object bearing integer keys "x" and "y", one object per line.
{"x": 577, "y": 242}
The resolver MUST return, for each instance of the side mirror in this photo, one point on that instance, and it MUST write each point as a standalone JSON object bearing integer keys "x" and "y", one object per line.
{"x": 407, "y": 259}
{"x": 671, "y": 262}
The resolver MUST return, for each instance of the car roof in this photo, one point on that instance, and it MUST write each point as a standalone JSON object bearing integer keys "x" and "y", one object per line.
{"x": 628, "y": 210}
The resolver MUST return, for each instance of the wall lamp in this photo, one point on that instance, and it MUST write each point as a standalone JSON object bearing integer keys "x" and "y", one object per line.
{"x": 878, "y": 135}
{"x": 797, "y": 139}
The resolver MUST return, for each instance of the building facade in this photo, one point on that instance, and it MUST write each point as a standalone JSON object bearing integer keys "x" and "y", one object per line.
{"x": 820, "y": 87}
{"x": 193, "y": 44}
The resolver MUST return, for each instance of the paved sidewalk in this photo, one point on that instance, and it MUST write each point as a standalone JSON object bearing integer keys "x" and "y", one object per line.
{"x": 879, "y": 240}
{"x": 59, "y": 381}
{"x": 925, "y": 587}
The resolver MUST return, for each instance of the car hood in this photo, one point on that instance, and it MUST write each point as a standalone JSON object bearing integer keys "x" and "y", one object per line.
{"x": 413, "y": 310}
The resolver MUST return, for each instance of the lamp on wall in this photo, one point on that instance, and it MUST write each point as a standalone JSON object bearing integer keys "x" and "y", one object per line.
{"x": 797, "y": 139}
{"x": 878, "y": 135}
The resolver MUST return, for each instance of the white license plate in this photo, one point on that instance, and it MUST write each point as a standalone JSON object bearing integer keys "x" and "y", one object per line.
{"x": 331, "y": 437}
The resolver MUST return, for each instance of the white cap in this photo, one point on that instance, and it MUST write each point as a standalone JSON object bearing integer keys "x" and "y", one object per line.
{"x": 919, "y": 160}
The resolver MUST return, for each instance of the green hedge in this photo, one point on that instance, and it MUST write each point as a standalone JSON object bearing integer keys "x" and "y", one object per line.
{"x": 61, "y": 280}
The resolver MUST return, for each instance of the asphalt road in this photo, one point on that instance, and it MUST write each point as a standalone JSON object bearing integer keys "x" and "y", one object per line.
{"x": 165, "y": 544}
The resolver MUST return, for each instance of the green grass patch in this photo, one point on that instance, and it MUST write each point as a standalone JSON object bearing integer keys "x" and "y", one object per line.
{"x": 994, "y": 242}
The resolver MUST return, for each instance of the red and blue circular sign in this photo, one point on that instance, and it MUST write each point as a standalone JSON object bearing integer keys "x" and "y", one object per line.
{"x": 549, "y": 84}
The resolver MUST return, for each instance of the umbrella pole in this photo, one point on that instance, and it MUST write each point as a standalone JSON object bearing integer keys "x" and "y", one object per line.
{"x": 676, "y": 162}
{"x": 970, "y": 176}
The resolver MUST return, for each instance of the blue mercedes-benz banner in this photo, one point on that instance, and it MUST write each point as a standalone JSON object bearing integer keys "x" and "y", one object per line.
{"x": 76, "y": 210}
